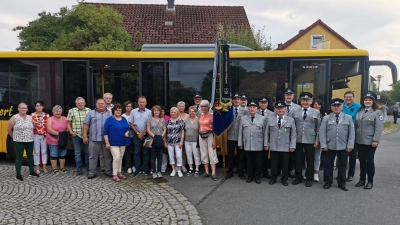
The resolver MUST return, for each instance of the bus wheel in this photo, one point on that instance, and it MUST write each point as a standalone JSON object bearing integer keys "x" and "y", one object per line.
{"x": 10, "y": 148}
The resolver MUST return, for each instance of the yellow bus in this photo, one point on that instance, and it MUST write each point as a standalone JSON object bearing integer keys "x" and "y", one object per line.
{"x": 168, "y": 76}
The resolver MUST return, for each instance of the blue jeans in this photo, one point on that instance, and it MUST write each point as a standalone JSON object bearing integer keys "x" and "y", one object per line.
{"x": 78, "y": 143}
{"x": 138, "y": 149}
{"x": 156, "y": 159}
{"x": 352, "y": 161}
{"x": 57, "y": 152}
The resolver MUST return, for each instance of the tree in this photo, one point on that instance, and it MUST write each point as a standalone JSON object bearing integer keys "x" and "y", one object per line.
{"x": 84, "y": 27}
{"x": 252, "y": 38}
{"x": 395, "y": 93}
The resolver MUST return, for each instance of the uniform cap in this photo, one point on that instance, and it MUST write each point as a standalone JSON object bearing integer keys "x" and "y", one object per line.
{"x": 370, "y": 95}
{"x": 236, "y": 95}
{"x": 306, "y": 95}
{"x": 263, "y": 99}
{"x": 337, "y": 101}
{"x": 289, "y": 91}
{"x": 244, "y": 96}
{"x": 252, "y": 103}
{"x": 280, "y": 104}
{"x": 198, "y": 95}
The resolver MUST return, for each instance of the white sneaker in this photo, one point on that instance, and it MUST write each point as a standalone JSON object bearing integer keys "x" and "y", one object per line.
{"x": 154, "y": 175}
{"x": 180, "y": 174}
{"x": 133, "y": 169}
{"x": 183, "y": 169}
{"x": 173, "y": 173}
{"x": 159, "y": 175}
{"x": 316, "y": 178}
{"x": 130, "y": 170}
{"x": 162, "y": 171}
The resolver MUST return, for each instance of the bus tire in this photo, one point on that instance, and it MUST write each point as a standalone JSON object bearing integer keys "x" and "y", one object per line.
{"x": 11, "y": 151}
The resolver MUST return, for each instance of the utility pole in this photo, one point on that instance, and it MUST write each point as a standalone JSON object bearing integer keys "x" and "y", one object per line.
{"x": 379, "y": 81}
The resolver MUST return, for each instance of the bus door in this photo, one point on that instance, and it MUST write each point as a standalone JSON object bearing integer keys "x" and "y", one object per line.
{"x": 310, "y": 75}
{"x": 154, "y": 79}
{"x": 77, "y": 77}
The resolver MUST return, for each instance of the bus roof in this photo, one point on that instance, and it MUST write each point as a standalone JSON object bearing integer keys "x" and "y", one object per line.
{"x": 180, "y": 55}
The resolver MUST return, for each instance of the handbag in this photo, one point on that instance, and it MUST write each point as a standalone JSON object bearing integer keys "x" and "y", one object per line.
{"x": 148, "y": 142}
{"x": 205, "y": 135}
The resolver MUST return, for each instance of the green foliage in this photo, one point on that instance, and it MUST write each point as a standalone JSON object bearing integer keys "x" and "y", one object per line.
{"x": 252, "y": 38}
{"x": 395, "y": 93}
{"x": 84, "y": 27}
{"x": 385, "y": 98}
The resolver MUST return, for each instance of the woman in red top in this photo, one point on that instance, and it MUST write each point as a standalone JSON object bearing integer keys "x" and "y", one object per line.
{"x": 39, "y": 119}
{"x": 207, "y": 141}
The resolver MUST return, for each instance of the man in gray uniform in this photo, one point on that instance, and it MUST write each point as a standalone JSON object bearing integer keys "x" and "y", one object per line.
{"x": 244, "y": 101}
{"x": 197, "y": 100}
{"x": 251, "y": 139}
{"x": 263, "y": 111}
{"x": 307, "y": 127}
{"x": 238, "y": 112}
{"x": 395, "y": 109}
{"x": 280, "y": 139}
{"x": 290, "y": 108}
{"x": 336, "y": 136}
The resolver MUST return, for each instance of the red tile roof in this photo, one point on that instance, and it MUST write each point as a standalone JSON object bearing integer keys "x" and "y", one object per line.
{"x": 191, "y": 24}
{"x": 302, "y": 32}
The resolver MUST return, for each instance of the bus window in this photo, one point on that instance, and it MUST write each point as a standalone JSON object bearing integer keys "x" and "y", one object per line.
{"x": 310, "y": 76}
{"x": 346, "y": 76}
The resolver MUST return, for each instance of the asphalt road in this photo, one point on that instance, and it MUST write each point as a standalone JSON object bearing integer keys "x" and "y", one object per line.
{"x": 236, "y": 202}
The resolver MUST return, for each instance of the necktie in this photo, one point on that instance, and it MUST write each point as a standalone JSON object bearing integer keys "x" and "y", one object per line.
{"x": 279, "y": 122}
{"x": 252, "y": 119}
{"x": 262, "y": 112}
{"x": 236, "y": 112}
{"x": 366, "y": 110}
{"x": 337, "y": 119}
{"x": 305, "y": 114}
{"x": 288, "y": 108}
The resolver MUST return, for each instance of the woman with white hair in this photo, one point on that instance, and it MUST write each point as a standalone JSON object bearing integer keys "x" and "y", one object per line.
{"x": 20, "y": 128}
{"x": 207, "y": 141}
{"x": 175, "y": 134}
{"x": 57, "y": 139}
{"x": 184, "y": 116}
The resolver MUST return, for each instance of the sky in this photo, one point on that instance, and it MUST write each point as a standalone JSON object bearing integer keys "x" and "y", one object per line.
{"x": 372, "y": 25}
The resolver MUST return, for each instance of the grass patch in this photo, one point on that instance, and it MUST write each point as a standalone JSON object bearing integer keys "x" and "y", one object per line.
{"x": 389, "y": 127}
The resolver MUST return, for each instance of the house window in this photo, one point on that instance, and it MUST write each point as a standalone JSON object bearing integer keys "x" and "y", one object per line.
{"x": 316, "y": 41}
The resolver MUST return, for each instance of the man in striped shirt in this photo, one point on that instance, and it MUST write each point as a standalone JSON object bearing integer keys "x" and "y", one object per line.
{"x": 75, "y": 118}
{"x": 94, "y": 126}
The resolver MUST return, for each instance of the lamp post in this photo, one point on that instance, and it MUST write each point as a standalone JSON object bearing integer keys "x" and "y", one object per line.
{"x": 379, "y": 80}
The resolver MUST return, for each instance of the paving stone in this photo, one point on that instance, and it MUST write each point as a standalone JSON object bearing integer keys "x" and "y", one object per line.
{"x": 70, "y": 199}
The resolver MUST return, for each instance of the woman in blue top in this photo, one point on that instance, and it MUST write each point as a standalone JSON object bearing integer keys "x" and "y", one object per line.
{"x": 116, "y": 132}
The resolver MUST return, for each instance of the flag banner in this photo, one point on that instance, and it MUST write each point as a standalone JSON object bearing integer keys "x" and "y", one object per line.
{"x": 222, "y": 107}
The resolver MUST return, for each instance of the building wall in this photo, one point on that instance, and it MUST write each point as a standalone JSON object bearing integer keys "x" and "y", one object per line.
{"x": 331, "y": 41}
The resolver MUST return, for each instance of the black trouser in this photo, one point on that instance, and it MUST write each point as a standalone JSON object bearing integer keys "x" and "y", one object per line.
{"x": 232, "y": 145}
{"x": 282, "y": 159}
{"x": 265, "y": 163}
{"x": 366, "y": 154}
{"x": 310, "y": 152}
{"x": 352, "y": 161}
{"x": 329, "y": 164}
{"x": 156, "y": 159}
{"x": 395, "y": 115}
{"x": 254, "y": 163}
{"x": 128, "y": 155}
{"x": 292, "y": 160}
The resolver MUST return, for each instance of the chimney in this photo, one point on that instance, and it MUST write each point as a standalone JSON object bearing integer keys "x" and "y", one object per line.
{"x": 301, "y": 31}
{"x": 171, "y": 5}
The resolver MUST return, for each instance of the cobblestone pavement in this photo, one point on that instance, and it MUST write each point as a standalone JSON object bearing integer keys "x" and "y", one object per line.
{"x": 69, "y": 199}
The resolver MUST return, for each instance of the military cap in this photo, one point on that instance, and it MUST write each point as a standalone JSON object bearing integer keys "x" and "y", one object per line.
{"x": 263, "y": 99}
{"x": 289, "y": 91}
{"x": 306, "y": 95}
{"x": 337, "y": 101}
{"x": 198, "y": 95}
{"x": 252, "y": 103}
{"x": 244, "y": 96}
{"x": 237, "y": 95}
{"x": 279, "y": 104}
{"x": 370, "y": 95}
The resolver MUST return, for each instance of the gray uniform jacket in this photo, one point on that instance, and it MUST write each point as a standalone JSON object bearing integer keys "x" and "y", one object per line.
{"x": 251, "y": 135}
{"x": 368, "y": 126}
{"x": 293, "y": 107}
{"x": 337, "y": 136}
{"x": 308, "y": 129}
{"x": 234, "y": 129}
{"x": 395, "y": 107}
{"x": 280, "y": 139}
{"x": 267, "y": 112}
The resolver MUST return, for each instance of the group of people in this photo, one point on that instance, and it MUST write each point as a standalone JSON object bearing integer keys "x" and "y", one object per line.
{"x": 281, "y": 140}
{"x": 295, "y": 133}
